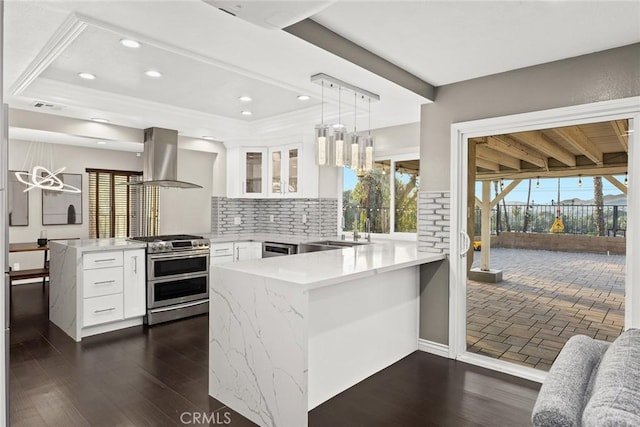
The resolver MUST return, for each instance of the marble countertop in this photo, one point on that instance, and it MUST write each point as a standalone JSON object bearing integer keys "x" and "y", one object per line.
{"x": 325, "y": 268}
{"x": 92, "y": 245}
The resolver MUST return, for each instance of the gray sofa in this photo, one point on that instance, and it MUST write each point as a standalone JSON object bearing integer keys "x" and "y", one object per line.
{"x": 592, "y": 383}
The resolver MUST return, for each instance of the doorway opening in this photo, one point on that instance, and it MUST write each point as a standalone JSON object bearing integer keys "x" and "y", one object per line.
{"x": 547, "y": 266}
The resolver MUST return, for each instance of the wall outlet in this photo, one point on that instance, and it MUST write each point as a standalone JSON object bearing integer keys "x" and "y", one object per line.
{"x": 16, "y": 266}
{"x": 304, "y": 218}
{"x": 237, "y": 220}
{"x": 270, "y": 218}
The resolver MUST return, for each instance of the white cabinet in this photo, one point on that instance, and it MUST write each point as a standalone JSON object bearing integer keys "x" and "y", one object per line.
{"x": 285, "y": 171}
{"x": 113, "y": 286}
{"x": 259, "y": 172}
{"x": 253, "y": 172}
{"x": 134, "y": 283}
{"x": 247, "y": 250}
{"x": 234, "y": 251}
{"x": 221, "y": 253}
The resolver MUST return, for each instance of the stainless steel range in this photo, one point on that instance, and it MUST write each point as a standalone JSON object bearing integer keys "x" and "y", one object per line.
{"x": 177, "y": 277}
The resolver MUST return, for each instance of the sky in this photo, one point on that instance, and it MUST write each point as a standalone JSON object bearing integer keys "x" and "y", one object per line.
{"x": 547, "y": 191}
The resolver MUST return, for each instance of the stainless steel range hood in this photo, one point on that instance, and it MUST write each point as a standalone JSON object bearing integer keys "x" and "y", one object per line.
{"x": 161, "y": 160}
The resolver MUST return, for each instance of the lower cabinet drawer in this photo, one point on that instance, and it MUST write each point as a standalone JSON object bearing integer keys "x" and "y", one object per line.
{"x": 104, "y": 309}
{"x": 221, "y": 259}
{"x": 102, "y": 281}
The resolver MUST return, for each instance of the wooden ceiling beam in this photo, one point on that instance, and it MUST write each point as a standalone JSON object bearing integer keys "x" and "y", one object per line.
{"x": 486, "y": 153}
{"x": 573, "y": 136}
{"x": 487, "y": 164}
{"x": 516, "y": 149}
{"x": 620, "y": 186}
{"x": 622, "y": 132}
{"x": 538, "y": 141}
{"x": 555, "y": 172}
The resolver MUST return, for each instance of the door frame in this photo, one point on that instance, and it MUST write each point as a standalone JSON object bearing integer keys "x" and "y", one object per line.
{"x": 625, "y": 108}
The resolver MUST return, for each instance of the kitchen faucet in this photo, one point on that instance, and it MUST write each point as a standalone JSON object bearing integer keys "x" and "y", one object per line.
{"x": 356, "y": 225}
{"x": 367, "y": 229}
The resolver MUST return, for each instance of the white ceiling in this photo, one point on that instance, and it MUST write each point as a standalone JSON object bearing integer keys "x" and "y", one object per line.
{"x": 209, "y": 58}
{"x": 444, "y": 42}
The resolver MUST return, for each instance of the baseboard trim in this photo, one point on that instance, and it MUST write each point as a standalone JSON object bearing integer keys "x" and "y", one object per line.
{"x": 433, "y": 348}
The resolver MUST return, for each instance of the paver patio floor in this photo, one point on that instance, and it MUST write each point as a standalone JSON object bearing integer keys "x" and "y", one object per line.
{"x": 545, "y": 298}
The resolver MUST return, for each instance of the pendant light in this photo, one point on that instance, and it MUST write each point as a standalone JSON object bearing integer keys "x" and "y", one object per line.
{"x": 322, "y": 133}
{"x": 354, "y": 145}
{"x": 368, "y": 146}
{"x": 626, "y": 178}
{"x": 334, "y": 145}
{"x": 340, "y": 132}
{"x": 39, "y": 163}
{"x": 579, "y": 180}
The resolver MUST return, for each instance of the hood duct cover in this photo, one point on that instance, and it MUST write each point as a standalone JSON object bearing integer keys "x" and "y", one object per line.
{"x": 161, "y": 160}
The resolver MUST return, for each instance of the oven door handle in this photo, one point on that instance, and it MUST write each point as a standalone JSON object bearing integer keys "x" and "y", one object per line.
{"x": 177, "y": 255}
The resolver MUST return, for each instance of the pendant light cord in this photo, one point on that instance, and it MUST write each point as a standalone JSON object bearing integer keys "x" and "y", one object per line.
{"x": 355, "y": 110}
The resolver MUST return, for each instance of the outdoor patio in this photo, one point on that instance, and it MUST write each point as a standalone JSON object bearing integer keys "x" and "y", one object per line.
{"x": 545, "y": 298}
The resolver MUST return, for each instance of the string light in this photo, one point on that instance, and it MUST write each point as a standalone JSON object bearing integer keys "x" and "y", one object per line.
{"x": 579, "y": 180}
{"x": 538, "y": 183}
{"x": 626, "y": 179}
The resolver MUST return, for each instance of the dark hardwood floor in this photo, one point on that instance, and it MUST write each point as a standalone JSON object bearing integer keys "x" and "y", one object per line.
{"x": 158, "y": 377}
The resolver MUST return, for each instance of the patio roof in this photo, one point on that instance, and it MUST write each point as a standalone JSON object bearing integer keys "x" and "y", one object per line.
{"x": 594, "y": 149}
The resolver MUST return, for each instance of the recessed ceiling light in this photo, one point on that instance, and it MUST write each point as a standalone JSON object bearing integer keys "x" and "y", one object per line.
{"x": 210, "y": 138}
{"x": 101, "y": 142}
{"x": 133, "y": 44}
{"x": 304, "y": 97}
{"x": 153, "y": 73}
{"x": 245, "y": 98}
{"x": 246, "y": 113}
{"x": 99, "y": 120}
{"x": 87, "y": 76}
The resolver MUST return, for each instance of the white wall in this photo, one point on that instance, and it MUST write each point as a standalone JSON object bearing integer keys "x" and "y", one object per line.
{"x": 189, "y": 210}
{"x": 76, "y": 160}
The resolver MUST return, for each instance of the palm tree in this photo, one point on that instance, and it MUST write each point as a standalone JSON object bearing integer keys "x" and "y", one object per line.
{"x": 598, "y": 200}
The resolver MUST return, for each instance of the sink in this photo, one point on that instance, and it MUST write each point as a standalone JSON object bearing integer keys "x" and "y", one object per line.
{"x": 327, "y": 245}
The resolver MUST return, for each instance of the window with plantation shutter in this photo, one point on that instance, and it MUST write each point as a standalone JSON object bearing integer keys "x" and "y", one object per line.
{"x": 120, "y": 210}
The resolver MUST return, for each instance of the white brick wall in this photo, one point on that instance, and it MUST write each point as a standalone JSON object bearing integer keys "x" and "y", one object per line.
{"x": 434, "y": 221}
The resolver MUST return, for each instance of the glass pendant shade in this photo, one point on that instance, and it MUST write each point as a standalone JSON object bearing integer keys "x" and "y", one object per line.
{"x": 340, "y": 135}
{"x": 368, "y": 152}
{"x": 354, "y": 149}
{"x": 322, "y": 144}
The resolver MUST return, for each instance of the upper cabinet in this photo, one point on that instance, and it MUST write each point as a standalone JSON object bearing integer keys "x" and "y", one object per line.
{"x": 259, "y": 172}
{"x": 285, "y": 171}
{"x": 253, "y": 172}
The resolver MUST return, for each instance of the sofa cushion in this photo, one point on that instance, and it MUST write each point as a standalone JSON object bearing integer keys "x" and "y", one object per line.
{"x": 615, "y": 400}
{"x": 564, "y": 392}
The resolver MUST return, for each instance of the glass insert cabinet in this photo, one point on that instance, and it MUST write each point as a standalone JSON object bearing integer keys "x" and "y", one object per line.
{"x": 268, "y": 172}
{"x": 284, "y": 170}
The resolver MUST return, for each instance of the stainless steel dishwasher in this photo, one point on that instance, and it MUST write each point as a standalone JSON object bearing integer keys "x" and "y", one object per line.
{"x": 271, "y": 249}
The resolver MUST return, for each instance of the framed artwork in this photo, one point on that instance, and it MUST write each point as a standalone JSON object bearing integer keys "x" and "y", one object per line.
{"x": 18, "y": 202}
{"x": 63, "y": 208}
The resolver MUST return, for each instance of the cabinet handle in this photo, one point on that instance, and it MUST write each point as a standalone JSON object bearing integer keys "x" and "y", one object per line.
{"x": 104, "y": 310}
{"x": 135, "y": 265}
{"x": 221, "y": 250}
{"x": 104, "y": 282}
{"x": 243, "y": 188}
{"x": 238, "y": 254}
{"x": 105, "y": 260}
